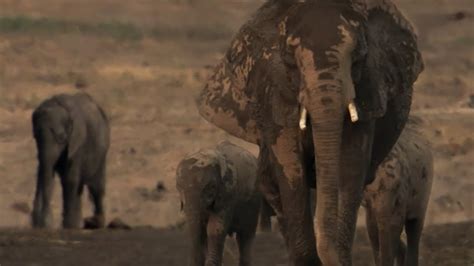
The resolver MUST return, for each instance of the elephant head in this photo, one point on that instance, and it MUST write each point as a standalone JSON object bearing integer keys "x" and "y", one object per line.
{"x": 60, "y": 118}
{"x": 204, "y": 181}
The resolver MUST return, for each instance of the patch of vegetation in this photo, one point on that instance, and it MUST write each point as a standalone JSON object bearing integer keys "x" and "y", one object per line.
{"x": 196, "y": 32}
{"x": 113, "y": 29}
{"x": 464, "y": 40}
{"x": 23, "y": 24}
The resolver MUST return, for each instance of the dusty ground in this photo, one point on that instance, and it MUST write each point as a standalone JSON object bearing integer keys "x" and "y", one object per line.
{"x": 144, "y": 61}
{"x": 147, "y": 246}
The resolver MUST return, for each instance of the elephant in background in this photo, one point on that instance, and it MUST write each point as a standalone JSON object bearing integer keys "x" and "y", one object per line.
{"x": 398, "y": 198}
{"x": 219, "y": 196}
{"x": 72, "y": 137}
{"x": 344, "y": 70}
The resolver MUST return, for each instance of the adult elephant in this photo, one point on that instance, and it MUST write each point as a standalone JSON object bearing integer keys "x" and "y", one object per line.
{"x": 319, "y": 57}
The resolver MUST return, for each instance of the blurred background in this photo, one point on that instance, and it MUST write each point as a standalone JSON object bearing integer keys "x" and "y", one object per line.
{"x": 144, "y": 61}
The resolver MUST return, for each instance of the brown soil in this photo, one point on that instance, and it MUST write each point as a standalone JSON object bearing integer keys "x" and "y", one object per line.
{"x": 443, "y": 245}
{"x": 147, "y": 85}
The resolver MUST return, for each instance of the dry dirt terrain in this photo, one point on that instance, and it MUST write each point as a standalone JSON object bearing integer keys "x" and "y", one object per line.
{"x": 144, "y": 61}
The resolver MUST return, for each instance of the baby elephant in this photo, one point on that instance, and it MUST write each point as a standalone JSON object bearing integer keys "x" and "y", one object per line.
{"x": 398, "y": 198}
{"x": 219, "y": 195}
{"x": 72, "y": 138}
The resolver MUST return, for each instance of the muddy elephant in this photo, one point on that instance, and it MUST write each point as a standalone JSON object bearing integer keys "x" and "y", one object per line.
{"x": 342, "y": 70}
{"x": 219, "y": 196}
{"x": 72, "y": 139}
{"x": 398, "y": 198}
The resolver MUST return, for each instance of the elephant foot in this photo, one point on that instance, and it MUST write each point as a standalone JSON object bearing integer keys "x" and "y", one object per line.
{"x": 41, "y": 222}
{"x": 94, "y": 222}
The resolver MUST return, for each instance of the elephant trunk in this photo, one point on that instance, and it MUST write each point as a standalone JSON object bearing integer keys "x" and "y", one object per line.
{"x": 41, "y": 205}
{"x": 48, "y": 154}
{"x": 197, "y": 231}
{"x": 327, "y": 118}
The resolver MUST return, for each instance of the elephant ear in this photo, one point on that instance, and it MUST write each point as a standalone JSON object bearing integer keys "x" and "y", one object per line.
{"x": 227, "y": 99}
{"x": 284, "y": 97}
{"x": 78, "y": 133}
{"x": 228, "y": 174}
{"x": 76, "y": 128}
{"x": 226, "y": 183}
{"x": 392, "y": 63}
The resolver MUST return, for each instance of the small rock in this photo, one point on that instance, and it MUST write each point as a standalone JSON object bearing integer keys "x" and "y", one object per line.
{"x": 22, "y": 207}
{"x": 117, "y": 223}
{"x": 80, "y": 83}
{"x": 470, "y": 104}
{"x": 147, "y": 194}
{"x": 459, "y": 15}
{"x": 93, "y": 223}
{"x": 160, "y": 186}
{"x": 449, "y": 204}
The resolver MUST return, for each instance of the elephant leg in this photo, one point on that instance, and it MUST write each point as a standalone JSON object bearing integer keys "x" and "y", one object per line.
{"x": 97, "y": 192}
{"x": 401, "y": 254}
{"x": 372, "y": 229}
{"x": 413, "y": 229}
{"x": 41, "y": 215}
{"x": 390, "y": 225}
{"x": 268, "y": 186}
{"x": 355, "y": 159}
{"x": 216, "y": 234}
{"x": 294, "y": 193}
{"x": 265, "y": 215}
{"x": 245, "y": 241}
{"x": 389, "y": 239}
{"x": 197, "y": 231}
{"x": 72, "y": 190}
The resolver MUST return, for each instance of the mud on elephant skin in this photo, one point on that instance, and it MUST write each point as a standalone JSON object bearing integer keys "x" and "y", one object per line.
{"x": 320, "y": 56}
{"x": 398, "y": 198}
{"x": 219, "y": 196}
{"x": 72, "y": 138}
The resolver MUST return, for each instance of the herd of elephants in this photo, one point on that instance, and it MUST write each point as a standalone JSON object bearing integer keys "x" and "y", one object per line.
{"x": 324, "y": 88}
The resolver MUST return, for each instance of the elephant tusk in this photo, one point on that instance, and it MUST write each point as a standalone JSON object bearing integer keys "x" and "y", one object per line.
{"x": 353, "y": 112}
{"x": 303, "y": 118}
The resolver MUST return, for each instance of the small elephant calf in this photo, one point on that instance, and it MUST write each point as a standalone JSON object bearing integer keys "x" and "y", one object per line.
{"x": 218, "y": 190}
{"x": 72, "y": 138}
{"x": 398, "y": 198}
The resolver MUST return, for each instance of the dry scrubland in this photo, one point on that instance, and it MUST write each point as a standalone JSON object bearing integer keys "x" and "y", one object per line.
{"x": 144, "y": 61}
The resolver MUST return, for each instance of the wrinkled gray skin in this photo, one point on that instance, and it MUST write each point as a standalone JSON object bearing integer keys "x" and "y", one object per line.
{"x": 398, "y": 198}
{"x": 218, "y": 190}
{"x": 318, "y": 55}
{"x": 72, "y": 138}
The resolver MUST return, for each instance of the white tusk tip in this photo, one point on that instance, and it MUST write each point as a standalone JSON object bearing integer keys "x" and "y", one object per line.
{"x": 353, "y": 112}
{"x": 303, "y": 119}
